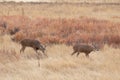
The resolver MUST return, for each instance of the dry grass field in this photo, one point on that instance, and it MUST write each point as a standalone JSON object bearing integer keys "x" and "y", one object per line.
{"x": 61, "y": 10}
{"x": 60, "y": 24}
{"x": 60, "y": 65}
{"x": 90, "y": 1}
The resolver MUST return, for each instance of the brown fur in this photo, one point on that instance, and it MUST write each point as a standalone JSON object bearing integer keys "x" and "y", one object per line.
{"x": 35, "y": 44}
{"x": 85, "y": 48}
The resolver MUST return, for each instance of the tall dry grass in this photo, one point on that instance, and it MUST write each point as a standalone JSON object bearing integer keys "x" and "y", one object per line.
{"x": 60, "y": 65}
{"x": 66, "y": 23}
{"x": 62, "y": 10}
{"x": 63, "y": 30}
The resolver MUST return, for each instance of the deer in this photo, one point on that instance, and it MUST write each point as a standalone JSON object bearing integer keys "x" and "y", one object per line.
{"x": 35, "y": 44}
{"x": 85, "y": 48}
{"x": 14, "y": 31}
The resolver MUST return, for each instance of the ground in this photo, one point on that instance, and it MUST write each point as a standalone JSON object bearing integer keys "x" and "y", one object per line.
{"x": 62, "y": 10}
{"x": 60, "y": 65}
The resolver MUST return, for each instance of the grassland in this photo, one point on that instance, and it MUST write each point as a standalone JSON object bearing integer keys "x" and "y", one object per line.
{"x": 60, "y": 65}
{"x": 90, "y": 1}
{"x": 60, "y": 24}
{"x": 62, "y": 10}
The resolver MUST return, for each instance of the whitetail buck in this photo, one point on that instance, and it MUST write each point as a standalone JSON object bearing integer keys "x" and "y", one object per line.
{"x": 35, "y": 44}
{"x": 85, "y": 48}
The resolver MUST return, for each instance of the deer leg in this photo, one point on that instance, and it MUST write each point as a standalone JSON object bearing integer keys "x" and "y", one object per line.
{"x": 35, "y": 50}
{"x": 78, "y": 54}
{"x": 45, "y": 54}
{"x": 22, "y": 49}
{"x": 38, "y": 56}
{"x": 87, "y": 55}
{"x": 73, "y": 53}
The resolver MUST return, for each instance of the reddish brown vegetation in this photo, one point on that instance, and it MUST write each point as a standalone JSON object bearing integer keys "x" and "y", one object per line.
{"x": 64, "y": 30}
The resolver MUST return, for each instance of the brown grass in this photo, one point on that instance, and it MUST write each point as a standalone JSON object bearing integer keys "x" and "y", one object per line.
{"x": 65, "y": 23}
{"x": 60, "y": 65}
{"x": 64, "y": 30}
{"x": 107, "y": 12}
